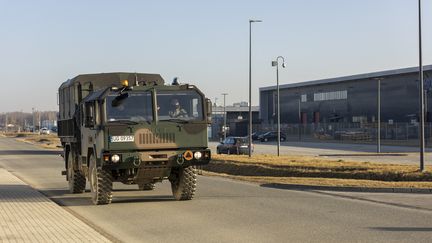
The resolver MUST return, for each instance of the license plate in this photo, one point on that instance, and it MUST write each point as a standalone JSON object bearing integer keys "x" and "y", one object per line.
{"x": 121, "y": 139}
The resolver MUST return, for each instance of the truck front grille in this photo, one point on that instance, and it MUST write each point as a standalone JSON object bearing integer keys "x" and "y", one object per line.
{"x": 155, "y": 138}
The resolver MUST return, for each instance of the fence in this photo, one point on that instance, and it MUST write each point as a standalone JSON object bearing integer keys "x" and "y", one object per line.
{"x": 391, "y": 134}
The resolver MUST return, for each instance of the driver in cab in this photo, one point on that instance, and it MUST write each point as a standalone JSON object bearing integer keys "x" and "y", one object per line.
{"x": 177, "y": 111}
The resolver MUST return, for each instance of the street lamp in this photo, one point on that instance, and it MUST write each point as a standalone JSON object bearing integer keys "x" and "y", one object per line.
{"x": 421, "y": 91}
{"x": 225, "y": 117}
{"x": 276, "y": 63}
{"x": 250, "y": 83}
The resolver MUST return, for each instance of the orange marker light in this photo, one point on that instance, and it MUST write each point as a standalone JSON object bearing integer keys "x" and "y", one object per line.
{"x": 188, "y": 155}
{"x": 125, "y": 83}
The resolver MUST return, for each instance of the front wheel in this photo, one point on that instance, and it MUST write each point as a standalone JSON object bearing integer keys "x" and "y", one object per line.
{"x": 100, "y": 183}
{"x": 76, "y": 178}
{"x": 183, "y": 182}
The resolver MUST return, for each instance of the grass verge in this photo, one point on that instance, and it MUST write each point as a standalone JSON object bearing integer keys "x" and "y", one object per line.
{"x": 50, "y": 141}
{"x": 308, "y": 170}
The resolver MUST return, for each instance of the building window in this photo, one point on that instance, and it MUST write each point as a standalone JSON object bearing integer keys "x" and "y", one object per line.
{"x": 303, "y": 98}
{"x": 360, "y": 119}
{"x": 334, "y": 95}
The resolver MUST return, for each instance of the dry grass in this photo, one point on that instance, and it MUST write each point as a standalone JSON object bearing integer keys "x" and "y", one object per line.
{"x": 308, "y": 170}
{"x": 50, "y": 141}
{"x": 324, "y": 181}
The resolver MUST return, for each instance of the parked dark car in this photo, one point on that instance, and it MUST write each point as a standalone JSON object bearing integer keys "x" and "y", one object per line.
{"x": 234, "y": 145}
{"x": 255, "y": 135}
{"x": 271, "y": 136}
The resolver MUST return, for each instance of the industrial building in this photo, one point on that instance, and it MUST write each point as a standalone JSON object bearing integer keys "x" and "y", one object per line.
{"x": 350, "y": 99}
{"x": 346, "y": 108}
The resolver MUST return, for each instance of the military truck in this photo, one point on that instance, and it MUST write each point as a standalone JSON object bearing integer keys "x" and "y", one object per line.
{"x": 132, "y": 128}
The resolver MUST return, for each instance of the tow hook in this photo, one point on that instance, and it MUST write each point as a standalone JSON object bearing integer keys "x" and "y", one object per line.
{"x": 180, "y": 159}
{"x": 137, "y": 161}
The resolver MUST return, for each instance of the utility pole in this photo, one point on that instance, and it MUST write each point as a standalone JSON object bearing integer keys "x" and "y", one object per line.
{"x": 421, "y": 128}
{"x": 379, "y": 114}
{"x": 225, "y": 116}
{"x": 33, "y": 120}
{"x": 276, "y": 63}
{"x": 6, "y": 122}
{"x": 250, "y": 84}
{"x": 299, "y": 118}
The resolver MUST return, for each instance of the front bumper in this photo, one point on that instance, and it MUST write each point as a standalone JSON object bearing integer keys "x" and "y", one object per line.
{"x": 156, "y": 159}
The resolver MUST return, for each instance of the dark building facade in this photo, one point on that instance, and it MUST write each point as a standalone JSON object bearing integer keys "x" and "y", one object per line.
{"x": 351, "y": 99}
{"x": 237, "y": 121}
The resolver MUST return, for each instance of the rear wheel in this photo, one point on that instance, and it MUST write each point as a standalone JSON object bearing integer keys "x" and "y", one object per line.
{"x": 76, "y": 178}
{"x": 183, "y": 182}
{"x": 146, "y": 186}
{"x": 100, "y": 183}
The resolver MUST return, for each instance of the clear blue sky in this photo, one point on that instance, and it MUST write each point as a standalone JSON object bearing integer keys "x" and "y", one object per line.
{"x": 43, "y": 43}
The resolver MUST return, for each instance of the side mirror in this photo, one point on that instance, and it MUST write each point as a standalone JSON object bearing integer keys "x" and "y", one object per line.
{"x": 208, "y": 109}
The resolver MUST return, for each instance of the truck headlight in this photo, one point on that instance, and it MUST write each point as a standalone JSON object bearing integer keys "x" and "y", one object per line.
{"x": 115, "y": 158}
{"x": 197, "y": 155}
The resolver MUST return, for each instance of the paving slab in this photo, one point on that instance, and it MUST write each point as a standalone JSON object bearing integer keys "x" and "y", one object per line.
{"x": 26, "y": 215}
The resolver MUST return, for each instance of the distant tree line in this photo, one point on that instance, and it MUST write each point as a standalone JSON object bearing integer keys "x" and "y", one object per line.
{"x": 24, "y": 120}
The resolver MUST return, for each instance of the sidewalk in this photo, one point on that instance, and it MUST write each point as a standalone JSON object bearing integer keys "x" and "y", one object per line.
{"x": 28, "y": 216}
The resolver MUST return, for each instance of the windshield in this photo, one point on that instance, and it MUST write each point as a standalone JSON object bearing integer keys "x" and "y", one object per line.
{"x": 184, "y": 105}
{"x": 131, "y": 106}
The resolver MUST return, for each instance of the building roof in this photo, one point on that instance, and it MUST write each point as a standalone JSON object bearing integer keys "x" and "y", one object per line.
{"x": 235, "y": 109}
{"x": 349, "y": 78}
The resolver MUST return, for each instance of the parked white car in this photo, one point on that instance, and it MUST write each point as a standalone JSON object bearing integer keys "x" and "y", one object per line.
{"x": 44, "y": 130}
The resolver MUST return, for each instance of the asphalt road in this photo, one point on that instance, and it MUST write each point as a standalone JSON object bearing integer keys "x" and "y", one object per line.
{"x": 229, "y": 211}
{"x": 344, "y": 151}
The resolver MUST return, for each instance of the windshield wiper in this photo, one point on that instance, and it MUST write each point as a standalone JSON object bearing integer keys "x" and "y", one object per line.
{"x": 177, "y": 120}
{"x": 123, "y": 121}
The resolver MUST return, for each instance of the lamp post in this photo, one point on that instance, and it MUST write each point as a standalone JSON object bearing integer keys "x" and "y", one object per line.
{"x": 33, "y": 120}
{"x": 276, "y": 63}
{"x": 421, "y": 91}
{"x": 379, "y": 114}
{"x": 225, "y": 117}
{"x": 250, "y": 83}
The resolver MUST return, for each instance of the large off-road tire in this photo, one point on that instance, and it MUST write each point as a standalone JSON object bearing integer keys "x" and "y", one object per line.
{"x": 100, "y": 183}
{"x": 146, "y": 186}
{"x": 76, "y": 178}
{"x": 183, "y": 182}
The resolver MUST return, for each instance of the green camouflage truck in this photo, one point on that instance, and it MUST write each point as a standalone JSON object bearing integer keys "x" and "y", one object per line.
{"x": 132, "y": 128}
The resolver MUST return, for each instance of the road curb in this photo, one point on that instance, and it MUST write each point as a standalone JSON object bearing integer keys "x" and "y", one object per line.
{"x": 347, "y": 189}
